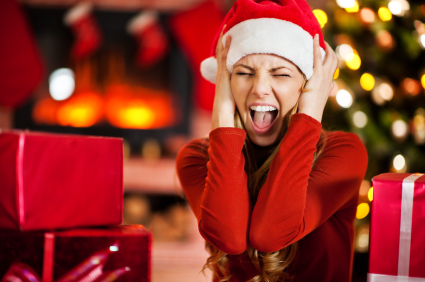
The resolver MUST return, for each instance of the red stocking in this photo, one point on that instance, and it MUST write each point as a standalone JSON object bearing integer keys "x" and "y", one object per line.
{"x": 85, "y": 29}
{"x": 195, "y": 30}
{"x": 152, "y": 41}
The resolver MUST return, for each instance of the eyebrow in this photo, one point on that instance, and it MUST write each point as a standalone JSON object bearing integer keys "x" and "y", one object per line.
{"x": 272, "y": 70}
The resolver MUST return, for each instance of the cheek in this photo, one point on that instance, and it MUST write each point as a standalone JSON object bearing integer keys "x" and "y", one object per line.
{"x": 240, "y": 93}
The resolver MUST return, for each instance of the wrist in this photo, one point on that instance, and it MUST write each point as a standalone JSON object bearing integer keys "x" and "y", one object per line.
{"x": 312, "y": 113}
{"x": 222, "y": 120}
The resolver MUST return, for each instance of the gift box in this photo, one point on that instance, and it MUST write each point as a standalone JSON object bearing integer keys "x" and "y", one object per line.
{"x": 51, "y": 181}
{"x": 118, "y": 253}
{"x": 397, "y": 240}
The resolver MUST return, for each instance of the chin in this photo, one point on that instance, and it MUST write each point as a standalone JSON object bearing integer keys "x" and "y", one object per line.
{"x": 263, "y": 138}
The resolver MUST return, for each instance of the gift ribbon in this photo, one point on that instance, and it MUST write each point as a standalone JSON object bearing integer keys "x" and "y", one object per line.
{"x": 49, "y": 250}
{"x": 20, "y": 180}
{"x": 391, "y": 278}
{"x": 408, "y": 188}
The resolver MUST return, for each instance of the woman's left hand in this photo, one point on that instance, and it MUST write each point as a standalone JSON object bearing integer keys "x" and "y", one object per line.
{"x": 320, "y": 83}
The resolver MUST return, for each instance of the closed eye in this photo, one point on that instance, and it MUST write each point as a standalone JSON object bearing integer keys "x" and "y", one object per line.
{"x": 242, "y": 73}
{"x": 281, "y": 75}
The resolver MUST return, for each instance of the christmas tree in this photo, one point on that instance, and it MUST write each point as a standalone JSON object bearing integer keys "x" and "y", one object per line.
{"x": 380, "y": 86}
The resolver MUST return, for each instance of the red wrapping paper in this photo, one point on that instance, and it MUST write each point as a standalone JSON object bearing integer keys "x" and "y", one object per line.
{"x": 386, "y": 214}
{"x": 65, "y": 255}
{"x": 51, "y": 181}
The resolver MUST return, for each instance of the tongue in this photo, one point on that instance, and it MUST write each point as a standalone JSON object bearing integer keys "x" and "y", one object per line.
{"x": 262, "y": 119}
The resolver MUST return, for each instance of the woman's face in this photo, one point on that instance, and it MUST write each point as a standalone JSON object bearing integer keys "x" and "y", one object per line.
{"x": 265, "y": 88}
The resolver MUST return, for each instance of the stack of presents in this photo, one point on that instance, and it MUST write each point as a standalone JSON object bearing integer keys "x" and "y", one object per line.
{"x": 61, "y": 204}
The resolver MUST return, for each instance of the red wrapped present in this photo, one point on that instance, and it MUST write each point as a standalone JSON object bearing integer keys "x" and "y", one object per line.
{"x": 118, "y": 253}
{"x": 397, "y": 240}
{"x": 51, "y": 181}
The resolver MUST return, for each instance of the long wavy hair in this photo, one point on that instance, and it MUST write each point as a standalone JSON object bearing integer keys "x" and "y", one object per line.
{"x": 273, "y": 266}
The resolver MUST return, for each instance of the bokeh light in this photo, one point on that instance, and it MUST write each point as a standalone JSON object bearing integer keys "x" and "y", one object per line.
{"x": 61, "y": 84}
{"x": 346, "y": 3}
{"x": 411, "y": 86}
{"x": 362, "y": 210}
{"x": 384, "y": 90}
{"x": 359, "y": 119}
{"x": 399, "y": 128}
{"x": 370, "y": 194}
{"x": 423, "y": 81}
{"x": 399, "y": 162}
{"x": 353, "y": 62}
{"x": 336, "y": 74}
{"x": 367, "y": 81}
{"x": 344, "y": 98}
{"x": 385, "y": 40}
{"x": 344, "y": 51}
{"x": 354, "y": 8}
{"x": 367, "y": 15}
{"x": 321, "y": 17}
{"x": 384, "y": 14}
{"x": 398, "y": 7}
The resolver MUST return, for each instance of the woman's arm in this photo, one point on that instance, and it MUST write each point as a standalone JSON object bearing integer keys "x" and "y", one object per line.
{"x": 296, "y": 199}
{"x": 217, "y": 190}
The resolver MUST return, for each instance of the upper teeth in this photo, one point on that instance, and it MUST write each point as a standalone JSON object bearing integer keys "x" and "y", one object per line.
{"x": 263, "y": 108}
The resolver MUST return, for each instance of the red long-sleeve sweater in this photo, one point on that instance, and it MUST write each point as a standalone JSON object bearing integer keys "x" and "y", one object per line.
{"x": 314, "y": 206}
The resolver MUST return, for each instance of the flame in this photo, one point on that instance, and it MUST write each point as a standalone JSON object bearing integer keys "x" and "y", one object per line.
{"x": 138, "y": 107}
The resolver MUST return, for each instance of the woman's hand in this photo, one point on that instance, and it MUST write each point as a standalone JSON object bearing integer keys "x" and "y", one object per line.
{"x": 320, "y": 83}
{"x": 224, "y": 104}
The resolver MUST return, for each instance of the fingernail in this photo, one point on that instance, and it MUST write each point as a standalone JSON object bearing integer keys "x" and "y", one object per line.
{"x": 316, "y": 36}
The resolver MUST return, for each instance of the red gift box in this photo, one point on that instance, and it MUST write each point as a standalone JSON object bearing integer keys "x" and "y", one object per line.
{"x": 397, "y": 230}
{"x": 117, "y": 253}
{"x": 50, "y": 181}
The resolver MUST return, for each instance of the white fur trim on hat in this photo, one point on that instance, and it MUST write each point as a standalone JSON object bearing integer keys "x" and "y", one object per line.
{"x": 266, "y": 36}
{"x": 209, "y": 69}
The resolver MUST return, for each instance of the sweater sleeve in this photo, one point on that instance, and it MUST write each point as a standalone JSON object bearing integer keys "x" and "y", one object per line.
{"x": 296, "y": 199}
{"x": 216, "y": 189}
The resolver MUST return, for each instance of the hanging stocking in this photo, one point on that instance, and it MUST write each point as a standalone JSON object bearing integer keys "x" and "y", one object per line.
{"x": 86, "y": 31}
{"x": 152, "y": 41}
{"x": 195, "y": 40}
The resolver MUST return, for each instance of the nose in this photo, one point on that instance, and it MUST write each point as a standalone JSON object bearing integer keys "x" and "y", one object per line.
{"x": 261, "y": 87}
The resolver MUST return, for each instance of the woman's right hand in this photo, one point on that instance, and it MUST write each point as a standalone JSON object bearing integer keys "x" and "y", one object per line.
{"x": 224, "y": 105}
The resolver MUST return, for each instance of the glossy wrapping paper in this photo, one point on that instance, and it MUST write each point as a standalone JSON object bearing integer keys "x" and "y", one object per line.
{"x": 50, "y": 181}
{"x": 397, "y": 232}
{"x": 119, "y": 253}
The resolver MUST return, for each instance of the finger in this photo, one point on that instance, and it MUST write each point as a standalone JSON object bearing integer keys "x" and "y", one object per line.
{"x": 317, "y": 63}
{"x": 219, "y": 46}
{"x": 228, "y": 39}
{"x": 329, "y": 62}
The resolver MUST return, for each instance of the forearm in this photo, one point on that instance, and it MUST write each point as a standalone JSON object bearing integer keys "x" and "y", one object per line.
{"x": 225, "y": 208}
{"x": 278, "y": 213}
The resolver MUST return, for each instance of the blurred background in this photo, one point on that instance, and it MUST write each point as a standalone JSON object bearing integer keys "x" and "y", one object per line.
{"x": 130, "y": 69}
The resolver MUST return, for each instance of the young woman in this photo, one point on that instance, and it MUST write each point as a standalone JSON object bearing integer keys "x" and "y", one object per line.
{"x": 274, "y": 194}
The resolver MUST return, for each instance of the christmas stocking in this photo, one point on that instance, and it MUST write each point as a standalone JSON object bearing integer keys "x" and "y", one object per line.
{"x": 86, "y": 31}
{"x": 152, "y": 41}
{"x": 195, "y": 40}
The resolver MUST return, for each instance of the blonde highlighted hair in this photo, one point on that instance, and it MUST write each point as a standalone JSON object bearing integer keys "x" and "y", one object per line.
{"x": 272, "y": 267}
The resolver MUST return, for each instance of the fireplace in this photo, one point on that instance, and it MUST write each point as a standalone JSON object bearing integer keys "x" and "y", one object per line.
{"x": 112, "y": 95}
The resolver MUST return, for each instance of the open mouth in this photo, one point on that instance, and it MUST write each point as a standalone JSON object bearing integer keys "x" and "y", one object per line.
{"x": 263, "y": 117}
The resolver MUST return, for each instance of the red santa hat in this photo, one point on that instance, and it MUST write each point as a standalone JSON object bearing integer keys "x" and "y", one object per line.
{"x": 282, "y": 27}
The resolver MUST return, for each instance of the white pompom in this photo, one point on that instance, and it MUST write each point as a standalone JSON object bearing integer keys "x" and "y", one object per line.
{"x": 209, "y": 69}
